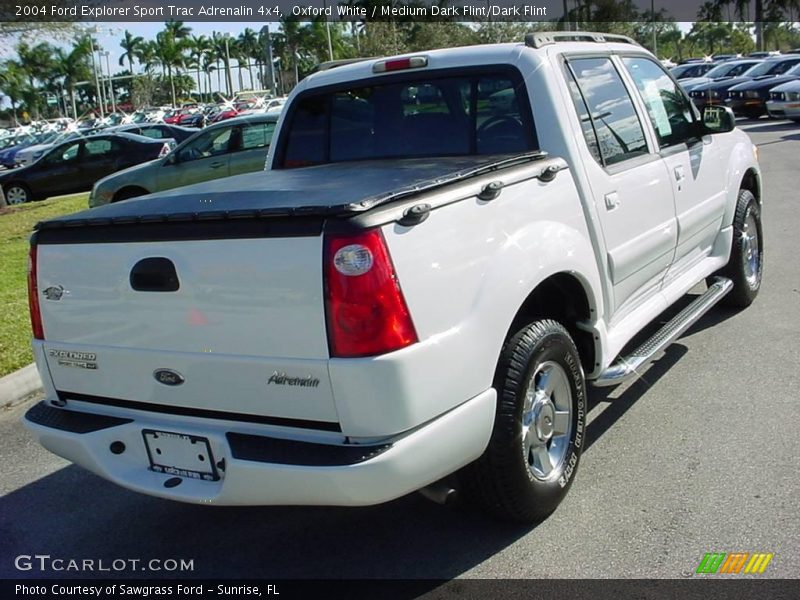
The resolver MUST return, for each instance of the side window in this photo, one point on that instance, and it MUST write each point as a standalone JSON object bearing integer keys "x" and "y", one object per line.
{"x": 258, "y": 135}
{"x": 583, "y": 116}
{"x": 783, "y": 66}
{"x": 97, "y": 148}
{"x": 64, "y": 154}
{"x": 605, "y": 103}
{"x": 152, "y": 132}
{"x": 668, "y": 109}
{"x": 211, "y": 143}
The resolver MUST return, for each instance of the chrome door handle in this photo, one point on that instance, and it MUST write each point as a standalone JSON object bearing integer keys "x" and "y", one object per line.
{"x": 216, "y": 165}
{"x": 679, "y": 175}
{"x": 612, "y": 200}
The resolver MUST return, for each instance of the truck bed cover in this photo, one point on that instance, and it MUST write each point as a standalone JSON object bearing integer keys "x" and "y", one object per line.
{"x": 336, "y": 189}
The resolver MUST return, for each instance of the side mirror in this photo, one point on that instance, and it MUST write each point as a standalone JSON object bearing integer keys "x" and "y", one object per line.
{"x": 171, "y": 159}
{"x": 718, "y": 119}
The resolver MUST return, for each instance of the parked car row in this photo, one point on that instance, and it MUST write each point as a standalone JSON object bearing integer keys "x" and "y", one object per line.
{"x": 746, "y": 86}
{"x": 74, "y": 166}
{"x": 232, "y": 147}
{"x": 131, "y": 160}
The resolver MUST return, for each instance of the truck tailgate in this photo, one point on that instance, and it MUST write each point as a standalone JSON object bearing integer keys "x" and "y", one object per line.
{"x": 244, "y": 331}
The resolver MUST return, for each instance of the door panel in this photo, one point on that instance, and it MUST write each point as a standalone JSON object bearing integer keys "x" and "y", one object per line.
{"x": 630, "y": 182}
{"x": 204, "y": 157}
{"x": 696, "y": 166}
{"x": 100, "y": 157}
{"x": 59, "y": 171}
{"x": 254, "y": 140}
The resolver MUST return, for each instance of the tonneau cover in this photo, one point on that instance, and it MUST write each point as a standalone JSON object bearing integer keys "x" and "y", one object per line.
{"x": 331, "y": 189}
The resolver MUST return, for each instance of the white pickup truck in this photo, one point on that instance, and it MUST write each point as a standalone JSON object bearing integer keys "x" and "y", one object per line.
{"x": 445, "y": 248}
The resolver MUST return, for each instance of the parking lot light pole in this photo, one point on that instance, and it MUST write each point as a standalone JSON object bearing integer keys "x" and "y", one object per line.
{"x": 270, "y": 63}
{"x": 110, "y": 82}
{"x": 96, "y": 78}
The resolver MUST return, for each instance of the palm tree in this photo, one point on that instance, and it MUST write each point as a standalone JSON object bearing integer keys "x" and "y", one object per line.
{"x": 250, "y": 49}
{"x": 221, "y": 44}
{"x": 37, "y": 63}
{"x": 200, "y": 47}
{"x": 131, "y": 44}
{"x": 209, "y": 64}
{"x": 12, "y": 84}
{"x": 168, "y": 54}
{"x": 73, "y": 66}
{"x": 177, "y": 29}
{"x": 291, "y": 38}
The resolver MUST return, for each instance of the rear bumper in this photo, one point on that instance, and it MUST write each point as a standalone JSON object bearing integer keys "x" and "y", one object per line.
{"x": 260, "y": 470}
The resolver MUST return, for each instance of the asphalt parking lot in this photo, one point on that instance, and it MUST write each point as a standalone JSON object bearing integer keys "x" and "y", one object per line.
{"x": 698, "y": 456}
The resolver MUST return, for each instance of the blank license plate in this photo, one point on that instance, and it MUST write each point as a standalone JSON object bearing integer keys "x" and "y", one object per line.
{"x": 180, "y": 454}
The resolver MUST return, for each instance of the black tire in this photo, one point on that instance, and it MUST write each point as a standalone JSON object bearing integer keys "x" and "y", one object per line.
{"x": 19, "y": 188}
{"x": 746, "y": 280}
{"x": 129, "y": 192}
{"x": 504, "y": 480}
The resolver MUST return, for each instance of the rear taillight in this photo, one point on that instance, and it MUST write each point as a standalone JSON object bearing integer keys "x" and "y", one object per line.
{"x": 400, "y": 64}
{"x": 33, "y": 296}
{"x": 365, "y": 309}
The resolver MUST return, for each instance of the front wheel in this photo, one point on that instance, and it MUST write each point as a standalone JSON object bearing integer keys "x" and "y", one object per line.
{"x": 539, "y": 428}
{"x": 746, "y": 263}
{"x": 17, "y": 194}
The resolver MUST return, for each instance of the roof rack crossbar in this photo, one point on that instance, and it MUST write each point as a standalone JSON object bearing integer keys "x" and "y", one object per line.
{"x": 545, "y": 38}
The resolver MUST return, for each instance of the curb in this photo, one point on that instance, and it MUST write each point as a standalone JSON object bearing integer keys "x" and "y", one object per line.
{"x": 17, "y": 386}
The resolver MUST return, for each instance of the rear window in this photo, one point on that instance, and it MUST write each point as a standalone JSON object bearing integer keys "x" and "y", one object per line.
{"x": 409, "y": 118}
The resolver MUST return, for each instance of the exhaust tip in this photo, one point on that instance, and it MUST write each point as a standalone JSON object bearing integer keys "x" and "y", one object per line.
{"x": 440, "y": 493}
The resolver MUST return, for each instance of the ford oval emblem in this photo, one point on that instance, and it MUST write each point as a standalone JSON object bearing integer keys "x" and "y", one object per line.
{"x": 168, "y": 377}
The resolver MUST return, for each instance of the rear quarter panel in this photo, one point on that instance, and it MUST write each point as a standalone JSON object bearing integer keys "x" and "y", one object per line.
{"x": 464, "y": 272}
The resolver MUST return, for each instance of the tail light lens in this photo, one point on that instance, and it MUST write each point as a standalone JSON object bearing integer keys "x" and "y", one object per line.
{"x": 33, "y": 296}
{"x": 364, "y": 305}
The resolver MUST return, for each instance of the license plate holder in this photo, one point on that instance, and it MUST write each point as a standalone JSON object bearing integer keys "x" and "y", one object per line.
{"x": 180, "y": 454}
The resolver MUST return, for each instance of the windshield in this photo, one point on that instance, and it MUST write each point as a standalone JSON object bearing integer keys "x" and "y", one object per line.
{"x": 409, "y": 118}
{"x": 728, "y": 70}
{"x": 771, "y": 67}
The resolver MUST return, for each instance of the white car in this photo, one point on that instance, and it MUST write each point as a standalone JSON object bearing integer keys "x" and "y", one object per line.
{"x": 784, "y": 101}
{"x": 421, "y": 285}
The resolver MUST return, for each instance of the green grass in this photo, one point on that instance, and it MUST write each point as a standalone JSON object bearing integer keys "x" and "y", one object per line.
{"x": 16, "y": 224}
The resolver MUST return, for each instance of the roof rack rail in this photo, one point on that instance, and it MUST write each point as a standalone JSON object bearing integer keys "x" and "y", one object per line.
{"x": 545, "y": 38}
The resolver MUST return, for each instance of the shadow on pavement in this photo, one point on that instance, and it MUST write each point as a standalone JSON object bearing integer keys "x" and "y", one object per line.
{"x": 73, "y": 514}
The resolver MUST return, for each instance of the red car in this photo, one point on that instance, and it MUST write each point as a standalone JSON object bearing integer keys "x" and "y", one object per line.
{"x": 172, "y": 117}
{"x": 231, "y": 112}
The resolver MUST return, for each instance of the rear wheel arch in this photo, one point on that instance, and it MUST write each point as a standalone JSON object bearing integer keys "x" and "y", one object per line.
{"x": 129, "y": 191}
{"x": 565, "y": 298}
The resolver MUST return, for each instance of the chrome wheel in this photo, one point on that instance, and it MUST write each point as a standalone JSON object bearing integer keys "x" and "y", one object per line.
{"x": 16, "y": 194}
{"x": 751, "y": 255}
{"x": 547, "y": 420}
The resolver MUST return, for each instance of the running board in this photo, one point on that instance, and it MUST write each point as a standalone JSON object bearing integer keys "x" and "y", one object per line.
{"x": 629, "y": 366}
